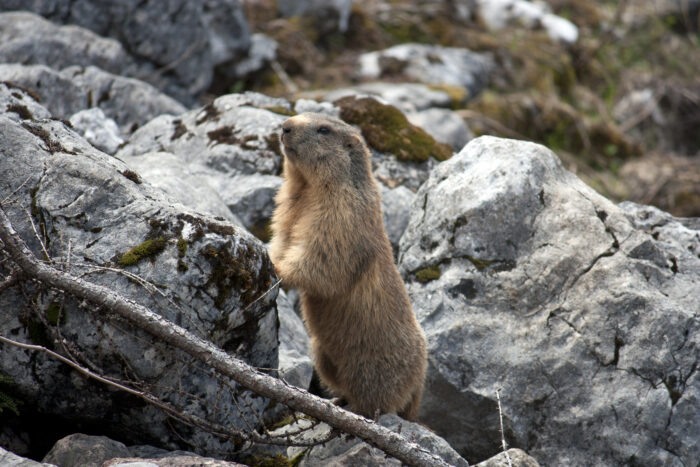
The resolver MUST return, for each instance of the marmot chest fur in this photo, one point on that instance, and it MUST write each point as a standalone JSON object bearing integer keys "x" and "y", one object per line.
{"x": 329, "y": 242}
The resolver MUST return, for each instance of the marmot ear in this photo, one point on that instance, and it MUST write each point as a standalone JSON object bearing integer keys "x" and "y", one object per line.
{"x": 354, "y": 140}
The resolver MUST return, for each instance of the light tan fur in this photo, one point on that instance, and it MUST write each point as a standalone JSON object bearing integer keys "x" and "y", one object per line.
{"x": 329, "y": 242}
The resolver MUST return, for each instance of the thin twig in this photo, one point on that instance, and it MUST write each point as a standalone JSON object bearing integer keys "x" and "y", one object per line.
{"x": 214, "y": 428}
{"x": 296, "y": 398}
{"x": 500, "y": 419}
{"x": 16, "y": 190}
{"x": 36, "y": 234}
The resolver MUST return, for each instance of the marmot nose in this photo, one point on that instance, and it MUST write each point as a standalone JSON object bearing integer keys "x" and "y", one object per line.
{"x": 287, "y": 129}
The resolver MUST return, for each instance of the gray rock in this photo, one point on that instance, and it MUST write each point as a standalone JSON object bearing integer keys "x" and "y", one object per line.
{"x": 176, "y": 44}
{"x": 56, "y": 91}
{"x": 396, "y": 208}
{"x": 251, "y": 198}
{"x": 262, "y": 50}
{"x": 171, "y": 461}
{"x": 97, "y": 129}
{"x": 130, "y": 102}
{"x": 338, "y": 9}
{"x": 510, "y": 458}
{"x": 18, "y": 104}
{"x": 393, "y": 172}
{"x": 308, "y": 105}
{"x": 526, "y": 280}
{"x": 29, "y": 39}
{"x": 79, "y": 450}
{"x": 188, "y": 184}
{"x": 498, "y": 14}
{"x": 432, "y": 64}
{"x": 8, "y": 459}
{"x": 443, "y": 125}
{"x": 408, "y": 97}
{"x": 230, "y": 147}
{"x": 295, "y": 363}
{"x": 94, "y": 206}
{"x": 346, "y": 451}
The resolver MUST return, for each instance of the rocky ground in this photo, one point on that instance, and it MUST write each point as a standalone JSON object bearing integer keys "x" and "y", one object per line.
{"x": 139, "y": 150}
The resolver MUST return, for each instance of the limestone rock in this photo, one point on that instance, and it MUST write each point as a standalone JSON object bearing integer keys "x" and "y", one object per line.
{"x": 8, "y": 459}
{"x": 431, "y": 64}
{"x": 443, "y": 125}
{"x": 499, "y": 13}
{"x": 228, "y": 149}
{"x": 121, "y": 232}
{"x": 346, "y": 451}
{"x": 97, "y": 129}
{"x": 396, "y": 204}
{"x": 510, "y": 458}
{"x": 79, "y": 450}
{"x": 175, "y": 45}
{"x": 130, "y": 102}
{"x": 408, "y": 97}
{"x": 295, "y": 363}
{"x": 526, "y": 280}
{"x": 29, "y": 39}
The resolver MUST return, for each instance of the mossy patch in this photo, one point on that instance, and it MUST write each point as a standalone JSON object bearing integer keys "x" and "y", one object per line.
{"x": 181, "y": 247}
{"x": 133, "y": 176}
{"x": 7, "y": 401}
{"x": 209, "y": 112}
{"x": 228, "y": 273}
{"x": 558, "y": 125}
{"x": 28, "y": 91}
{"x": 386, "y": 129}
{"x": 52, "y": 145}
{"x": 20, "y": 110}
{"x": 428, "y": 274}
{"x": 147, "y": 249}
{"x": 458, "y": 94}
{"x": 180, "y": 129}
{"x": 227, "y": 135}
{"x": 54, "y": 313}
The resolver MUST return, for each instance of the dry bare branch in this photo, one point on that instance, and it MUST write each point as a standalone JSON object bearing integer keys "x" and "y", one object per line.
{"x": 391, "y": 443}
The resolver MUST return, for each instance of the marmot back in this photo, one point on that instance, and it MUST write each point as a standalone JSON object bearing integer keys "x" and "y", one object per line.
{"x": 329, "y": 242}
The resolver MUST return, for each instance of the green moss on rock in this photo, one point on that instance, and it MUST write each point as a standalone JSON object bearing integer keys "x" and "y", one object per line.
{"x": 386, "y": 129}
{"x": 53, "y": 313}
{"x": 228, "y": 274}
{"x": 181, "y": 247}
{"x": 428, "y": 274}
{"x": 147, "y": 249}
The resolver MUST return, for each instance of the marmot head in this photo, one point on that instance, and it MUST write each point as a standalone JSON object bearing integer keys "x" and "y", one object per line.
{"x": 325, "y": 149}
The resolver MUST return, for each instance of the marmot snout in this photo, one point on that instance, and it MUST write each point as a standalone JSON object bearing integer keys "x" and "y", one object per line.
{"x": 329, "y": 241}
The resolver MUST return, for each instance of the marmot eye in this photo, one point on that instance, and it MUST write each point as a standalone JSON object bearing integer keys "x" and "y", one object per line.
{"x": 324, "y": 130}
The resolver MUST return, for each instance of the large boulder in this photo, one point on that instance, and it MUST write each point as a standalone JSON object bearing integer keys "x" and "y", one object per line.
{"x": 175, "y": 45}
{"x": 129, "y": 102}
{"x": 431, "y": 64}
{"x": 29, "y": 39}
{"x": 581, "y": 313}
{"x": 346, "y": 450}
{"x": 97, "y": 218}
{"x": 229, "y": 147}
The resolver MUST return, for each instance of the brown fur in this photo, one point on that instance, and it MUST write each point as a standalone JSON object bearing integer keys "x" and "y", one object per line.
{"x": 329, "y": 242}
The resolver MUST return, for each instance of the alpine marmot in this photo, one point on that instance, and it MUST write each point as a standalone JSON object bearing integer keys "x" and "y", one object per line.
{"x": 329, "y": 242}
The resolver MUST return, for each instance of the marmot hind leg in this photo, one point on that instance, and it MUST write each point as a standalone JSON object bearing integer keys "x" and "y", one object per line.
{"x": 410, "y": 412}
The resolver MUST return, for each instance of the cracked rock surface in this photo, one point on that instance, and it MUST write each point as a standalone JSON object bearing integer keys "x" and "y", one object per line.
{"x": 102, "y": 221}
{"x": 584, "y": 314}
